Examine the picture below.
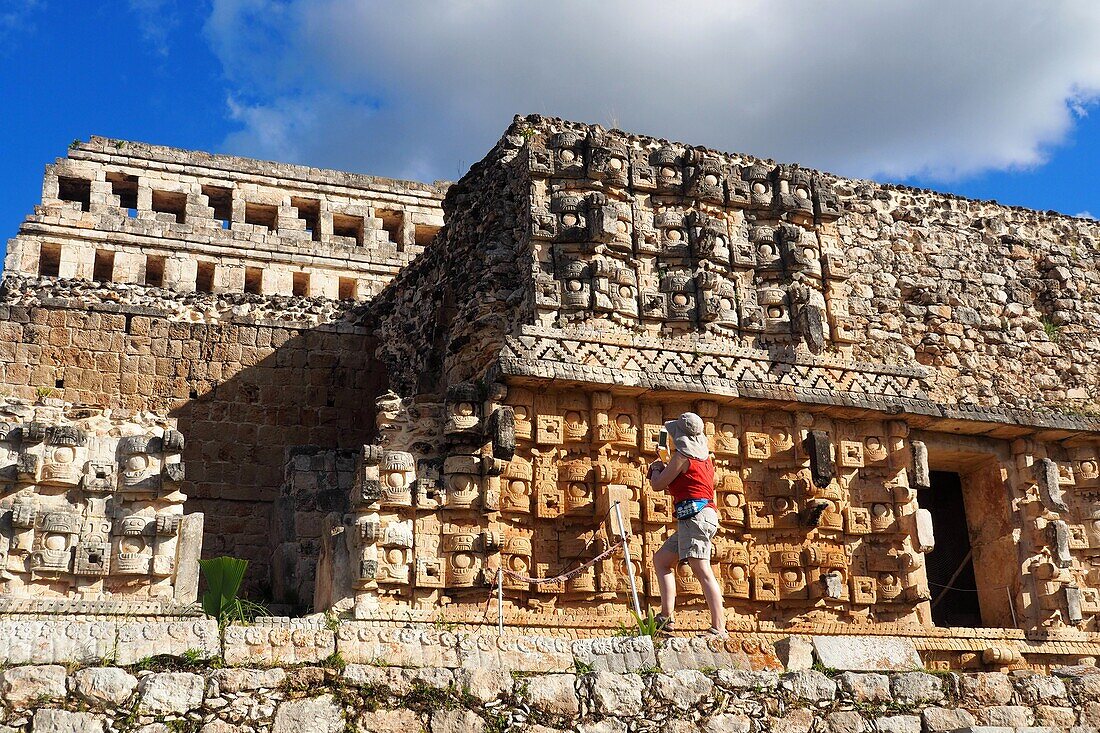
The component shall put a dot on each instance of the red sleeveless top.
(694, 482)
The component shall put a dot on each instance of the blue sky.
(985, 99)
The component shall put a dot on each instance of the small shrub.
(223, 581)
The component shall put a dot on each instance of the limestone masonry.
(385, 393)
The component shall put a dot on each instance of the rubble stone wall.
(245, 377)
(444, 318)
(639, 257)
(494, 687)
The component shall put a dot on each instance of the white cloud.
(156, 20)
(15, 17)
(940, 89)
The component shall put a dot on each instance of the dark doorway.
(950, 566)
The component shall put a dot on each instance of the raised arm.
(661, 476)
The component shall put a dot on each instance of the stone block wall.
(245, 381)
(317, 481)
(615, 687)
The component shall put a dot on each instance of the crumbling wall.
(1002, 303)
(244, 378)
(443, 318)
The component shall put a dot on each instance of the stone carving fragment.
(96, 512)
(1046, 479)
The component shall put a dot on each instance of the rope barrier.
(569, 574)
(623, 544)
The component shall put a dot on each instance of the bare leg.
(665, 563)
(711, 591)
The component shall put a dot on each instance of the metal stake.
(626, 555)
(500, 601)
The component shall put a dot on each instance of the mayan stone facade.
(93, 512)
(245, 329)
(899, 386)
(852, 349)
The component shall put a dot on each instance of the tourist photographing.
(688, 476)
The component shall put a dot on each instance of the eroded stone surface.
(104, 686)
(320, 714)
(170, 692)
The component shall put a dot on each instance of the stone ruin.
(392, 390)
(93, 516)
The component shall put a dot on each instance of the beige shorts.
(694, 536)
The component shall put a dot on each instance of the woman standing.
(689, 478)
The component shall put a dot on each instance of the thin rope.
(569, 575)
(969, 590)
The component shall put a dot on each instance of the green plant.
(223, 582)
(582, 667)
(44, 392)
(332, 620)
(441, 625)
(1052, 330)
(334, 661)
(76, 141)
(426, 698)
(647, 625)
(653, 669)
(194, 656)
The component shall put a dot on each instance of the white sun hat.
(687, 435)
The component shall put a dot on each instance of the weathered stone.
(846, 721)
(170, 692)
(898, 724)
(1010, 716)
(727, 723)
(985, 688)
(389, 721)
(914, 688)
(457, 721)
(796, 653)
(810, 686)
(1038, 688)
(737, 679)
(677, 725)
(278, 641)
(797, 720)
(484, 684)
(616, 654)
(946, 719)
(706, 653)
(105, 687)
(62, 721)
(683, 689)
(21, 686)
(138, 640)
(55, 641)
(866, 687)
(220, 726)
(866, 653)
(553, 694)
(245, 680)
(320, 714)
(603, 726)
(1056, 717)
(616, 694)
